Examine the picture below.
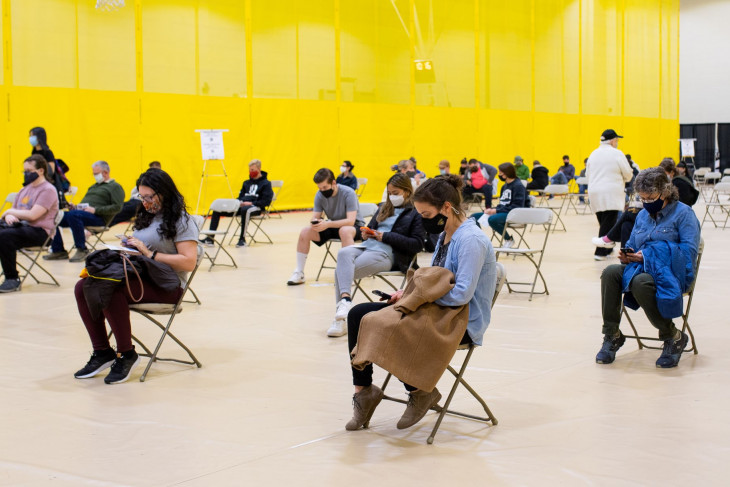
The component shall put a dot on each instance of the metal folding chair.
(685, 315)
(221, 205)
(276, 186)
(150, 310)
(528, 216)
(9, 200)
(33, 254)
(199, 222)
(71, 193)
(556, 191)
(361, 183)
(725, 179)
(579, 181)
(96, 234)
(385, 277)
(459, 378)
(726, 172)
(714, 203)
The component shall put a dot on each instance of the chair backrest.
(524, 182)
(57, 220)
(582, 181)
(501, 279)
(10, 198)
(366, 211)
(725, 179)
(361, 183)
(722, 188)
(713, 175)
(276, 186)
(530, 216)
(726, 171)
(700, 250)
(199, 221)
(556, 189)
(225, 205)
(701, 171)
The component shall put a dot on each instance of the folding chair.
(71, 193)
(199, 222)
(580, 181)
(9, 200)
(33, 254)
(97, 233)
(685, 315)
(276, 186)
(221, 205)
(555, 191)
(459, 378)
(361, 183)
(528, 216)
(385, 277)
(726, 172)
(150, 310)
(257, 221)
(720, 189)
(725, 179)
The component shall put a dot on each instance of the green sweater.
(106, 198)
(523, 172)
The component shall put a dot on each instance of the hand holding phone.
(627, 250)
(367, 230)
(383, 296)
(315, 221)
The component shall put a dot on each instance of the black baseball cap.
(610, 134)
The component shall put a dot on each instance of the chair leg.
(196, 299)
(165, 332)
(328, 253)
(34, 263)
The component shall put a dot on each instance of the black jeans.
(245, 211)
(606, 221)
(621, 231)
(14, 238)
(364, 377)
(129, 211)
(644, 290)
(485, 190)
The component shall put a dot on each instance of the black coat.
(257, 191)
(540, 178)
(406, 237)
(688, 194)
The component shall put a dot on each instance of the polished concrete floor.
(270, 403)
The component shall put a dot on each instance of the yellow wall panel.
(357, 53)
(274, 49)
(669, 65)
(601, 59)
(393, 57)
(222, 48)
(316, 50)
(642, 54)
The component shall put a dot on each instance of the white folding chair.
(276, 186)
(725, 179)
(715, 203)
(71, 193)
(528, 216)
(199, 222)
(33, 255)
(459, 378)
(580, 181)
(221, 205)
(9, 200)
(555, 197)
(361, 183)
(97, 232)
(150, 310)
(726, 172)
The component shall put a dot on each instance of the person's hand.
(635, 257)
(11, 219)
(490, 211)
(378, 236)
(246, 203)
(467, 182)
(71, 206)
(90, 209)
(366, 235)
(395, 296)
(139, 245)
(417, 177)
(321, 226)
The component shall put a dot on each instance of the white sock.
(301, 261)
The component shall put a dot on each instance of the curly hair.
(171, 201)
(655, 180)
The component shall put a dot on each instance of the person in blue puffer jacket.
(657, 267)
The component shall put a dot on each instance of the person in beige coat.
(607, 171)
(463, 251)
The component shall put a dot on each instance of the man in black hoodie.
(540, 177)
(256, 194)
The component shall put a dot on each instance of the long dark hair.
(40, 133)
(402, 182)
(440, 189)
(171, 201)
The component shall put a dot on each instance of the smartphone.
(81, 206)
(627, 250)
(382, 295)
(315, 222)
(367, 230)
(123, 238)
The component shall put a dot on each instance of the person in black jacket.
(256, 194)
(394, 235)
(512, 196)
(540, 177)
(346, 177)
(688, 194)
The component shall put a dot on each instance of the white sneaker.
(296, 279)
(337, 328)
(508, 243)
(599, 257)
(343, 307)
(599, 242)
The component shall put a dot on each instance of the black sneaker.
(672, 352)
(122, 367)
(10, 285)
(610, 346)
(241, 242)
(100, 360)
(208, 242)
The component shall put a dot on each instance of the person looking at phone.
(463, 249)
(163, 232)
(645, 265)
(102, 201)
(340, 204)
(513, 195)
(394, 235)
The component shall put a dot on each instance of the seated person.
(444, 167)
(30, 220)
(130, 207)
(255, 195)
(340, 205)
(396, 236)
(102, 201)
(582, 188)
(478, 181)
(463, 167)
(688, 194)
(464, 250)
(567, 169)
(415, 168)
(663, 219)
(540, 177)
(523, 172)
(163, 232)
(512, 196)
(346, 178)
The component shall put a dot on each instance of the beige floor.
(269, 405)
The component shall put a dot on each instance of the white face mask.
(396, 200)
(99, 178)
(343, 169)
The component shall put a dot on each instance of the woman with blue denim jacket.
(463, 249)
(663, 219)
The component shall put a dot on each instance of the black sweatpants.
(14, 238)
(606, 221)
(621, 231)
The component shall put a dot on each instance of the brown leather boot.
(364, 403)
(419, 402)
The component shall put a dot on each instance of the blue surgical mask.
(654, 207)
(442, 171)
(33, 140)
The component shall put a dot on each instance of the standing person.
(346, 178)
(163, 232)
(256, 194)
(512, 196)
(39, 140)
(540, 177)
(464, 250)
(30, 220)
(340, 205)
(607, 171)
(523, 172)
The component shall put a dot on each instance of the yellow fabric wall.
(306, 84)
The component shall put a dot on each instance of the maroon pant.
(117, 313)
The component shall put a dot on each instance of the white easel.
(211, 145)
(687, 148)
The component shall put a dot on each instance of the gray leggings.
(356, 263)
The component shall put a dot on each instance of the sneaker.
(79, 255)
(10, 285)
(122, 367)
(599, 242)
(296, 279)
(610, 346)
(207, 241)
(343, 307)
(62, 255)
(337, 328)
(100, 360)
(419, 402)
(241, 243)
(508, 243)
(599, 257)
(364, 404)
(672, 352)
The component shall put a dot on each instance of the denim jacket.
(471, 258)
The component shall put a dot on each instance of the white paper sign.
(688, 147)
(211, 143)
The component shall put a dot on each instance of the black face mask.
(654, 207)
(328, 192)
(502, 178)
(566, 162)
(29, 177)
(473, 169)
(434, 225)
(411, 174)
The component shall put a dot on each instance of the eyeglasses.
(649, 200)
(148, 199)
